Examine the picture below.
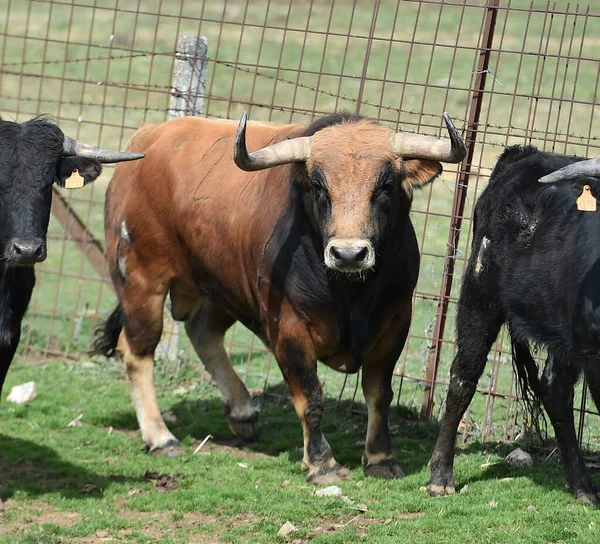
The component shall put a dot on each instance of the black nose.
(348, 256)
(27, 252)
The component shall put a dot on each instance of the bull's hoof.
(170, 449)
(588, 495)
(1, 506)
(389, 469)
(327, 475)
(245, 429)
(440, 490)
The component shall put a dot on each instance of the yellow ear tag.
(586, 201)
(74, 181)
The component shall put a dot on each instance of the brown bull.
(313, 251)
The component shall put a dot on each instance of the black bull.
(534, 265)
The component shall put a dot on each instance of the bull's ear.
(420, 172)
(88, 169)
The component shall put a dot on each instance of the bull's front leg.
(15, 294)
(296, 357)
(378, 459)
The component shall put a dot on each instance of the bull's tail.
(530, 386)
(107, 334)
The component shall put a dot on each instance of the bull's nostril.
(17, 249)
(335, 253)
(39, 250)
(361, 255)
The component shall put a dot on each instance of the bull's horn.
(591, 167)
(294, 150)
(419, 146)
(72, 147)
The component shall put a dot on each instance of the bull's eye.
(384, 189)
(318, 187)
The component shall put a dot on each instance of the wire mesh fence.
(508, 72)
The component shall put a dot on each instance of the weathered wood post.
(187, 98)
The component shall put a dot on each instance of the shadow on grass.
(344, 426)
(38, 470)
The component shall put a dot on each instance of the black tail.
(107, 334)
(529, 385)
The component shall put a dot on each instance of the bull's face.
(360, 175)
(33, 156)
(357, 185)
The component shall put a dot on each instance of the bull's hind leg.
(557, 388)
(478, 324)
(142, 320)
(206, 330)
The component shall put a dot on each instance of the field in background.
(102, 68)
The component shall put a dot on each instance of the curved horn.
(419, 146)
(72, 147)
(294, 150)
(591, 168)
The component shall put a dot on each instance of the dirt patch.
(330, 524)
(157, 525)
(35, 512)
(162, 482)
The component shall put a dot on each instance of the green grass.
(69, 484)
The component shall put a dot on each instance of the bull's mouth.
(11, 262)
(357, 277)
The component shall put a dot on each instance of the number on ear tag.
(586, 201)
(74, 181)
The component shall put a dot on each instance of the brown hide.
(189, 199)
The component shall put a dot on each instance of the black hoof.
(245, 429)
(170, 449)
(389, 469)
(323, 475)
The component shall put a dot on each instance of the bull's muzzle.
(25, 252)
(349, 256)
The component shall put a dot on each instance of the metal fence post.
(458, 206)
(187, 99)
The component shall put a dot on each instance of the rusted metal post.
(458, 206)
(187, 99)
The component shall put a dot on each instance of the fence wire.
(101, 68)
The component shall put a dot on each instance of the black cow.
(534, 265)
(33, 156)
